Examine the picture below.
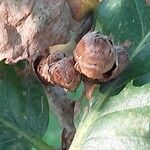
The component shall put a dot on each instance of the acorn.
(95, 56)
(99, 60)
(56, 69)
(62, 73)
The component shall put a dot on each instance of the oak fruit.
(97, 58)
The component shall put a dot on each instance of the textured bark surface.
(28, 27)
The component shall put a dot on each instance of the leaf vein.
(118, 111)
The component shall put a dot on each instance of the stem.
(39, 144)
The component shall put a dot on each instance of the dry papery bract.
(29, 27)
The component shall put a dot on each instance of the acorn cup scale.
(122, 61)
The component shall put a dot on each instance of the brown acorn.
(94, 56)
(55, 56)
(63, 73)
(56, 69)
(99, 60)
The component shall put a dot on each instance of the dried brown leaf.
(28, 27)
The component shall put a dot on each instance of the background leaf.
(53, 133)
(142, 80)
(119, 116)
(138, 68)
(124, 20)
(23, 110)
(121, 123)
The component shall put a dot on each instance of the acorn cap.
(122, 61)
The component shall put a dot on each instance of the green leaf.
(124, 20)
(145, 79)
(53, 133)
(23, 111)
(77, 94)
(121, 123)
(139, 66)
(127, 20)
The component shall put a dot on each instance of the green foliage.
(77, 94)
(138, 68)
(124, 20)
(23, 110)
(53, 133)
(121, 121)
(119, 116)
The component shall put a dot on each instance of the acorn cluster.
(95, 59)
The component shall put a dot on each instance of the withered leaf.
(28, 27)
